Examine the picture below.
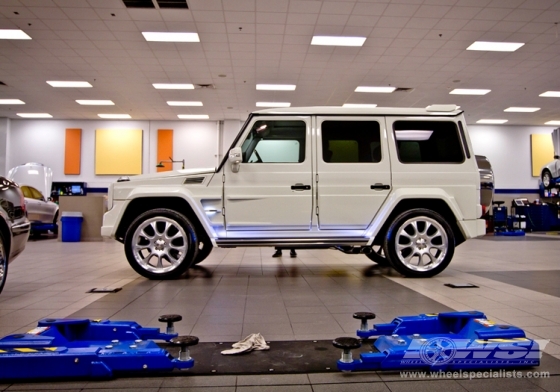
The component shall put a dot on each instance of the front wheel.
(160, 244)
(546, 179)
(419, 243)
(3, 263)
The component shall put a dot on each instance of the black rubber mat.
(293, 357)
(542, 281)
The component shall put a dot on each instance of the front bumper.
(473, 228)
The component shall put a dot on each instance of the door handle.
(379, 186)
(301, 187)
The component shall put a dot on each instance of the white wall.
(43, 141)
(509, 150)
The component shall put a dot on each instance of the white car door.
(354, 171)
(272, 188)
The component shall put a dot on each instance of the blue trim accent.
(97, 190)
(511, 191)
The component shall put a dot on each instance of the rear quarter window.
(428, 142)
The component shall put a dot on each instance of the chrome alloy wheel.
(421, 243)
(159, 244)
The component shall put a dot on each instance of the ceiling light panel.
(372, 89)
(521, 109)
(553, 122)
(76, 84)
(184, 103)
(193, 116)
(114, 116)
(359, 105)
(173, 86)
(11, 102)
(491, 121)
(337, 41)
(273, 104)
(276, 87)
(34, 115)
(495, 46)
(170, 37)
(469, 91)
(554, 94)
(98, 102)
(13, 34)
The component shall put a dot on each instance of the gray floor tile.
(199, 381)
(496, 385)
(273, 379)
(355, 387)
(425, 386)
(275, 388)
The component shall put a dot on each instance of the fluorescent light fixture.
(553, 122)
(469, 91)
(193, 116)
(171, 37)
(359, 105)
(11, 102)
(337, 41)
(99, 102)
(369, 89)
(114, 116)
(550, 94)
(173, 86)
(13, 34)
(278, 87)
(59, 83)
(495, 46)
(489, 121)
(184, 103)
(522, 109)
(34, 115)
(416, 135)
(273, 104)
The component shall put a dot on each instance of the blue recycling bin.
(71, 226)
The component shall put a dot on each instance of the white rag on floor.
(255, 341)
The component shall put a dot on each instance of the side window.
(26, 192)
(275, 141)
(428, 142)
(351, 141)
(35, 194)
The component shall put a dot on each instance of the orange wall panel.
(73, 151)
(164, 148)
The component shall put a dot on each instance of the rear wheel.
(160, 244)
(204, 249)
(3, 262)
(419, 243)
(55, 224)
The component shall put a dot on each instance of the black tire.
(546, 179)
(203, 250)
(419, 243)
(378, 256)
(55, 224)
(3, 262)
(163, 235)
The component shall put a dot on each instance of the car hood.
(33, 174)
(168, 174)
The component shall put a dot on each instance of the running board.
(300, 243)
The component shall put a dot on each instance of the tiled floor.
(240, 291)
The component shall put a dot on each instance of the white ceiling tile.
(239, 17)
(431, 11)
(206, 5)
(112, 4)
(272, 5)
(463, 12)
(305, 6)
(246, 28)
(479, 25)
(363, 8)
(81, 13)
(357, 20)
(176, 15)
(270, 29)
(302, 19)
(400, 10)
(422, 23)
(538, 4)
(62, 25)
(271, 17)
(140, 14)
(336, 7)
(332, 20)
(269, 38)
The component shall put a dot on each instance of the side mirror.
(556, 156)
(235, 158)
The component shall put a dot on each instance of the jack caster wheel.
(347, 345)
(170, 319)
(184, 342)
(364, 317)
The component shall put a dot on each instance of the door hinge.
(223, 211)
(223, 177)
(317, 210)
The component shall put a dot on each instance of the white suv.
(399, 185)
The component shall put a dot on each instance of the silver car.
(35, 181)
(14, 226)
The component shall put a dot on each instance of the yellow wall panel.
(542, 151)
(118, 151)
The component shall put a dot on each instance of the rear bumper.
(473, 228)
(20, 235)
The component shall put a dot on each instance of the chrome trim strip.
(295, 242)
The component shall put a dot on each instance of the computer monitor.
(76, 189)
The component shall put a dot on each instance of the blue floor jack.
(59, 348)
(439, 342)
